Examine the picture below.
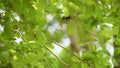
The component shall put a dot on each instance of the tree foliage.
(29, 28)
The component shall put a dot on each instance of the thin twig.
(56, 56)
(67, 50)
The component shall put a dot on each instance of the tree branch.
(56, 56)
(67, 50)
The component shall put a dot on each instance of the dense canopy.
(85, 32)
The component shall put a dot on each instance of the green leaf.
(74, 5)
(84, 65)
(92, 48)
(66, 11)
(117, 51)
(42, 39)
(70, 28)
